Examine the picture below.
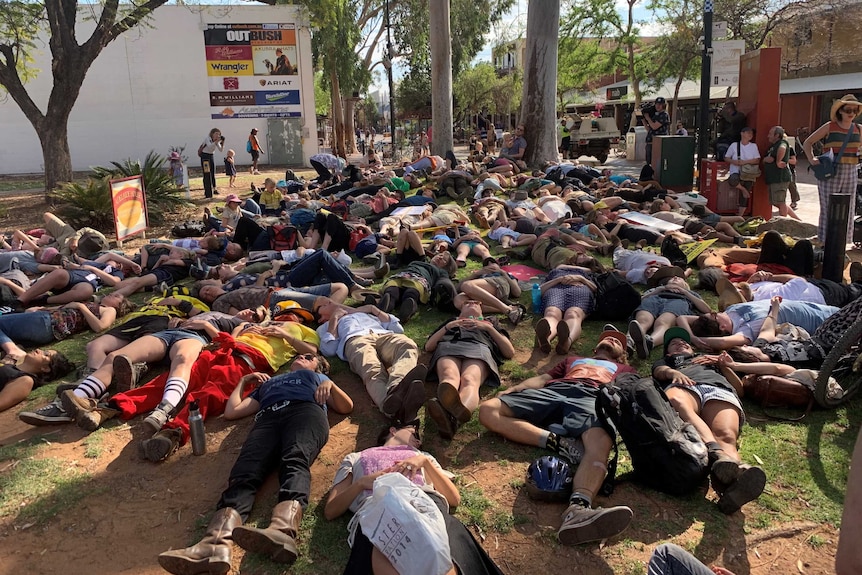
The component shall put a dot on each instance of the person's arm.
(505, 344)
(344, 492)
(16, 289)
(537, 382)
(299, 344)
(107, 315)
(26, 241)
(237, 407)
(335, 397)
(815, 136)
(104, 277)
(16, 391)
(201, 325)
(667, 373)
(435, 338)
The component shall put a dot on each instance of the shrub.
(86, 204)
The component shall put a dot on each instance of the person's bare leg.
(461, 252)
(497, 417)
(99, 348)
(56, 279)
(663, 323)
(686, 405)
(79, 292)
(183, 355)
(553, 315)
(574, 317)
(481, 291)
(593, 468)
(723, 420)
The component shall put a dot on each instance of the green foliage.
(20, 23)
(322, 101)
(413, 95)
(89, 204)
(474, 89)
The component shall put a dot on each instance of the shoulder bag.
(828, 164)
(747, 172)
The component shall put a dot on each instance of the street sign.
(719, 30)
(725, 62)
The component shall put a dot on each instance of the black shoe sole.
(604, 526)
(747, 487)
(447, 425)
(639, 338)
(394, 401)
(450, 399)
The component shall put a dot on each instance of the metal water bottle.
(196, 429)
(537, 298)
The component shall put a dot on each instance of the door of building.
(285, 141)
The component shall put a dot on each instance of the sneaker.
(747, 487)
(161, 445)
(583, 525)
(159, 416)
(725, 469)
(640, 340)
(127, 375)
(50, 414)
(571, 449)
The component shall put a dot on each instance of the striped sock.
(91, 387)
(175, 389)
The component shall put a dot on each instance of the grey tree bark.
(441, 77)
(538, 112)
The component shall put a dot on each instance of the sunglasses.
(853, 111)
(306, 356)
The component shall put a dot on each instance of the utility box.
(636, 144)
(673, 162)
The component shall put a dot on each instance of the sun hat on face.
(232, 198)
(290, 306)
(849, 99)
(48, 255)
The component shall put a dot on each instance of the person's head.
(730, 106)
(679, 124)
(233, 252)
(210, 243)
(659, 205)
(254, 131)
(747, 134)
(46, 365)
(230, 154)
(519, 131)
(479, 147)
(207, 290)
(775, 133)
(660, 103)
(471, 308)
(612, 345)
(279, 51)
(44, 240)
(747, 354)
(269, 184)
(256, 315)
(845, 109)
(596, 217)
(707, 277)
(215, 134)
(677, 341)
(119, 302)
(712, 325)
(50, 256)
(445, 261)
(326, 307)
(404, 435)
(310, 361)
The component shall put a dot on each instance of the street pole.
(705, 83)
(391, 84)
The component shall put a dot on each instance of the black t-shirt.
(701, 374)
(10, 373)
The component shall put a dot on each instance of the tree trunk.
(349, 125)
(441, 77)
(337, 117)
(538, 113)
(53, 136)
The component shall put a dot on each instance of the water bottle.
(537, 298)
(196, 429)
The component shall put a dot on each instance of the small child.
(176, 168)
(230, 167)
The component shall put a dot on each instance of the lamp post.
(705, 83)
(387, 62)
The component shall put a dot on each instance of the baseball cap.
(660, 100)
(676, 332)
(617, 335)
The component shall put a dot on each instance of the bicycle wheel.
(843, 363)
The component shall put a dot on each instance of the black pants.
(799, 258)
(397, 296)
(334, 189)
(288, 440)
(323, 173)
(334, 226)
(250, 235)
(835, 293)
(212, 173)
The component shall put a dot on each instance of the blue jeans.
(250, 208)
(670, 559)
(310, 269)
(288, 440)
(33, 328)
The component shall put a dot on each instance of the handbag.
(747, 172)
(827, 167)
(770, 391)
(405, 524)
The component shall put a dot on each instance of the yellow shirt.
(277, 350)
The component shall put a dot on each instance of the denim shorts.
(657, 305)
(304, 296)
(171, 336)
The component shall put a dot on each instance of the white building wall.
(148, 90)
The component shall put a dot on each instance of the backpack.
(667, 454)
(189, 229)
(91, 243)
(671, 250)
(616, 297)
(283, 237)
(248, 147)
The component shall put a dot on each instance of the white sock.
(175, 389)
(91, 387)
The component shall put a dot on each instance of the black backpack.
(667, 453)
(671, 250)
(189, 229)
(616, 297)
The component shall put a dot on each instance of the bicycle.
(844, 363)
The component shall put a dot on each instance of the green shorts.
(778, 193)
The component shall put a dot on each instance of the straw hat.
(665, 272)
(728, 294)
(848, 99)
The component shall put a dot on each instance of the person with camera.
(213, 142)
(657, 122)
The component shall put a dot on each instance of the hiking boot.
(408, 309)
(403, 392)
(571, 449)
(159, 416)
(450, 399)
(747, 487)
(582, 524)
(447, 425)
(89, 414)
(641, 341)
(723, 468)
(278, 541)
(211, 554)
(127, 375)
(161, 445)
(49, 414)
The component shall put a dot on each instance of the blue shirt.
(352, 325)
(748, 317)
(298, 385)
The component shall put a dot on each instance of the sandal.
(461, 263)
(543, 336)
(516, 314)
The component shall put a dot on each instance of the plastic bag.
(405, 524)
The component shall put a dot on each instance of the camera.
(648, 108)
(222, 138)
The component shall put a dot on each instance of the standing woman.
(213, 142)
(255, 150)
(843, 113)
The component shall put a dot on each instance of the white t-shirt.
(747, 151)
(797, 289)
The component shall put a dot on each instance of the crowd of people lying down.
(244, 320)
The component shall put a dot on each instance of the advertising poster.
(130, 206)
(252, 71)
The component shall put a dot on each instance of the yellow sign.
(230, 68)
(130, 206)
(694, 249)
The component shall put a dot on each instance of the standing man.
(255, 150)
(739, 154)
(730, 124)
(566, 139)
(776, 170)
(657, 124)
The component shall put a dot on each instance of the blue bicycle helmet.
(549, 478)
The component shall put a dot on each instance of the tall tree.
(474, 89)
(441, 77)
(538, 111)
(21, 23)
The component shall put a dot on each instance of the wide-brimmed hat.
(617, 335)
(848, 99)
(290, 306)
(674, 333)
(520, 195)
(665, 272)
(232, 198)
(728, 294)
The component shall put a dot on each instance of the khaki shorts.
(778, 193)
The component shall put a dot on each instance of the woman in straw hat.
(843, 114)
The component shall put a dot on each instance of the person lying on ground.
(250, 297)
(21, 372)
(493, 288)
(68, 285)
(568, 298)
